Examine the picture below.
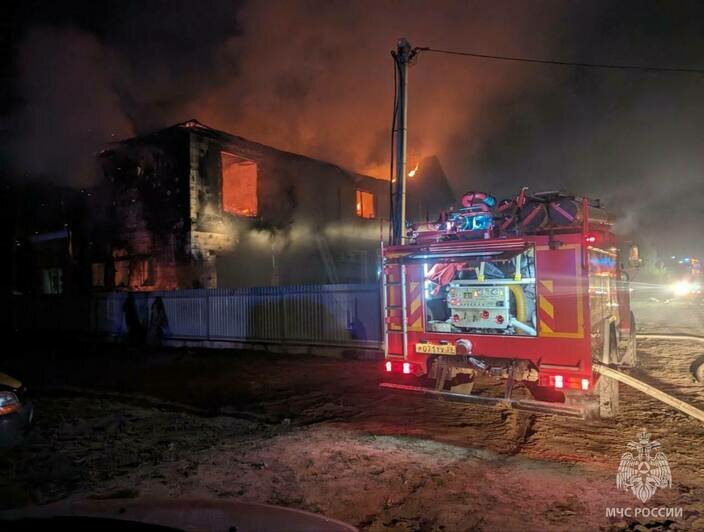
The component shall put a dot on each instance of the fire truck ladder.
(388, 309)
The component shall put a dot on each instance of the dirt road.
(317, 434)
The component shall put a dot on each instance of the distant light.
(683, 288)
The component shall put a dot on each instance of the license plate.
(436, 349)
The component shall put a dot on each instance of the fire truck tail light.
(397, 366)
(590, 239)
(562, 382)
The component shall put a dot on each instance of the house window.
(239, 185)
(97, 271)
(365, 204)
(52, 281)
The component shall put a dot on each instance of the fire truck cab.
(511, 296)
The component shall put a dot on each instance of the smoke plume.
(315, 77)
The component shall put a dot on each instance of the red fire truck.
(527, 293)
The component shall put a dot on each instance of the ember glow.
(412, 173)
(239, 185)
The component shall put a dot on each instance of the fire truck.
(524, 296)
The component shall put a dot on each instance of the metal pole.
(402, 57)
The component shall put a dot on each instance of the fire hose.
(519, 321)
(639, 385)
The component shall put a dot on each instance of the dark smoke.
(70, 107)
(315, 77)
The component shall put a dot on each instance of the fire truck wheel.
(606, 388)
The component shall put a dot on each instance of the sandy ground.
(317, 434)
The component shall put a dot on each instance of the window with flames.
(239, 185)
(365, 204)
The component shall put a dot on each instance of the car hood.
(9, 382)
(179, 514)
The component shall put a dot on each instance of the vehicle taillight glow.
(567, 382)
(559, 381)
(388, 365)
(590, 239)
(406, 368)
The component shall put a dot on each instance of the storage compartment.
(482, 296)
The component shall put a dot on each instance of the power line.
(564, 63)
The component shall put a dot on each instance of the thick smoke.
(69, 107)
(315, 77)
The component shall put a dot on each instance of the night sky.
(316, 78)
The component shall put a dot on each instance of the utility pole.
(403, 55)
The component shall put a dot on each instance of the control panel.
(478, 305)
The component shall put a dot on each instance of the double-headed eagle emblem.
(643, 473)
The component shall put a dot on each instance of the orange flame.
(413, 172)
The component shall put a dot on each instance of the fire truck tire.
(607, 389)
(627, 356)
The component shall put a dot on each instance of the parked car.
(15, 411)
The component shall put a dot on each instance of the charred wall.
(148, 226)
(306, 229)
(303, 221)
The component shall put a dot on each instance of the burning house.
(199, 208)
(193, 207)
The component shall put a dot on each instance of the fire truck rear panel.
(557, 339)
